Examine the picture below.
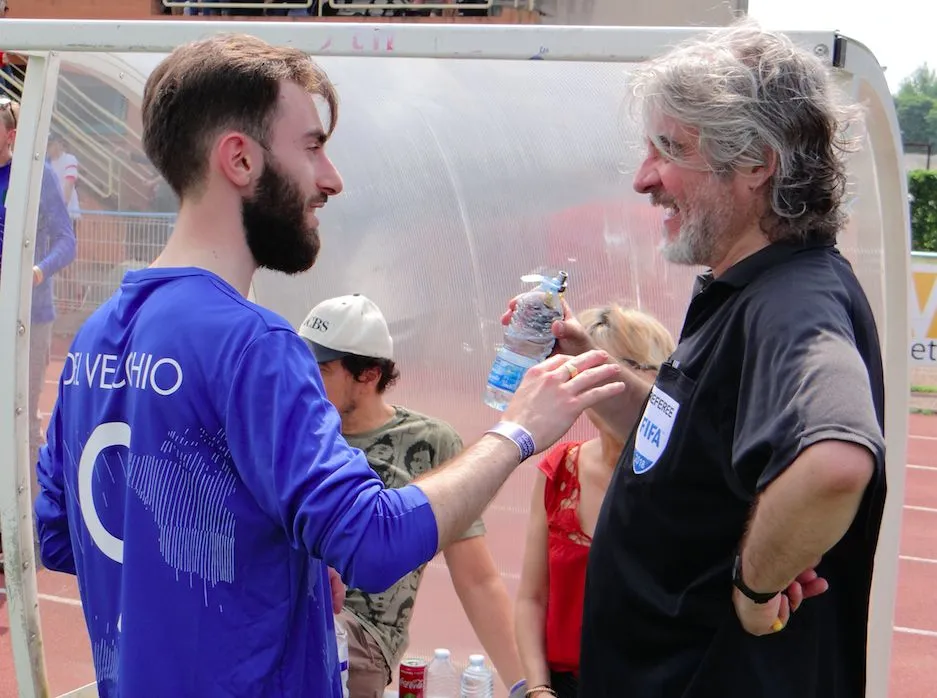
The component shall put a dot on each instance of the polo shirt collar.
(751, 267)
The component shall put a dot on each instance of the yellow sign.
(924, 308)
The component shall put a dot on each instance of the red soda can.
(412, 678)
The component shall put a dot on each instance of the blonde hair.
(630, 335)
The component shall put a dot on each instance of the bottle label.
(508, 370)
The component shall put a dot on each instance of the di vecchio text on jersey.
(139, 371)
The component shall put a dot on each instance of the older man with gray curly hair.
(733, 554)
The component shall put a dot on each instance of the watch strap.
(739, 583)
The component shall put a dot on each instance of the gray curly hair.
(749, 93)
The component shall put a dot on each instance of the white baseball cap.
(347, 325)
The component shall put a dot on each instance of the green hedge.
(922, 185)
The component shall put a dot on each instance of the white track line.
(76, 602)
(915, 631)
(922, 437)
(929, 510)
(932, 468)
(51, 597)
(911, 558)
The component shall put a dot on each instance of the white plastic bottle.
(478, 681)
(341, 638)
(442, 678)
(528, 339)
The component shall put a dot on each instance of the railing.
(114, 160)
(108, 150)
(109, 244)
(11, 82)
(412, 6)
(344, 7)
(214, 6)
(96, 164)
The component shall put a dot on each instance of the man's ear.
(370, 375)
(238, 159)
(755, 177)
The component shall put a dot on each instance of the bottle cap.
(477, 659)
(557, 283)
(441, 653)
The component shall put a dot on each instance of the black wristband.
(759, 598)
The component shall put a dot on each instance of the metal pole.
(16, 511)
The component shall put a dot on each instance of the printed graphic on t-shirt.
(400, 451)
(657, 422)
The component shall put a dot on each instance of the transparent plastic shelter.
(467, 163)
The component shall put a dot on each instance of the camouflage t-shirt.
(407, 446)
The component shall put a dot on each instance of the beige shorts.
(368, 673)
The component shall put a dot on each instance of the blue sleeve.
(55, 543)
(54, 223)
(285, 439)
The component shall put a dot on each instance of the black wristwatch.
(755, 596)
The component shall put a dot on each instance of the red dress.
(567, 553)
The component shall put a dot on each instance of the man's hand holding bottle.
(620, 408)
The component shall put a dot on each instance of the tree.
(922, 186)
(916, 104)
(922, 81)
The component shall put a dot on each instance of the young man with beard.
(195, 477)
(350, 340)
(734, 549)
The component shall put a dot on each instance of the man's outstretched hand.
(620, 413)
(556, 391)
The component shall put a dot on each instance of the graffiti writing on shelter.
(376, 41)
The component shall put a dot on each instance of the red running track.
(438, 619)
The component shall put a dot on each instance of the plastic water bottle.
(528, 340)
(442, 679)
(478, 681)
(341, 638)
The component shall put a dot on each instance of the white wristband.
(518, 435)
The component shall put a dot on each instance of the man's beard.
(274, 219)
(694, 245)
(705, 220)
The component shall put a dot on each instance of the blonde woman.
(570, 486)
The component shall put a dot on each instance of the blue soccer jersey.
(196, 481)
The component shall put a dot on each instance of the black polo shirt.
(777, 354)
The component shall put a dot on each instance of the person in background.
(54, 250)
(568, 493)
(65, 166)
(352, 345)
